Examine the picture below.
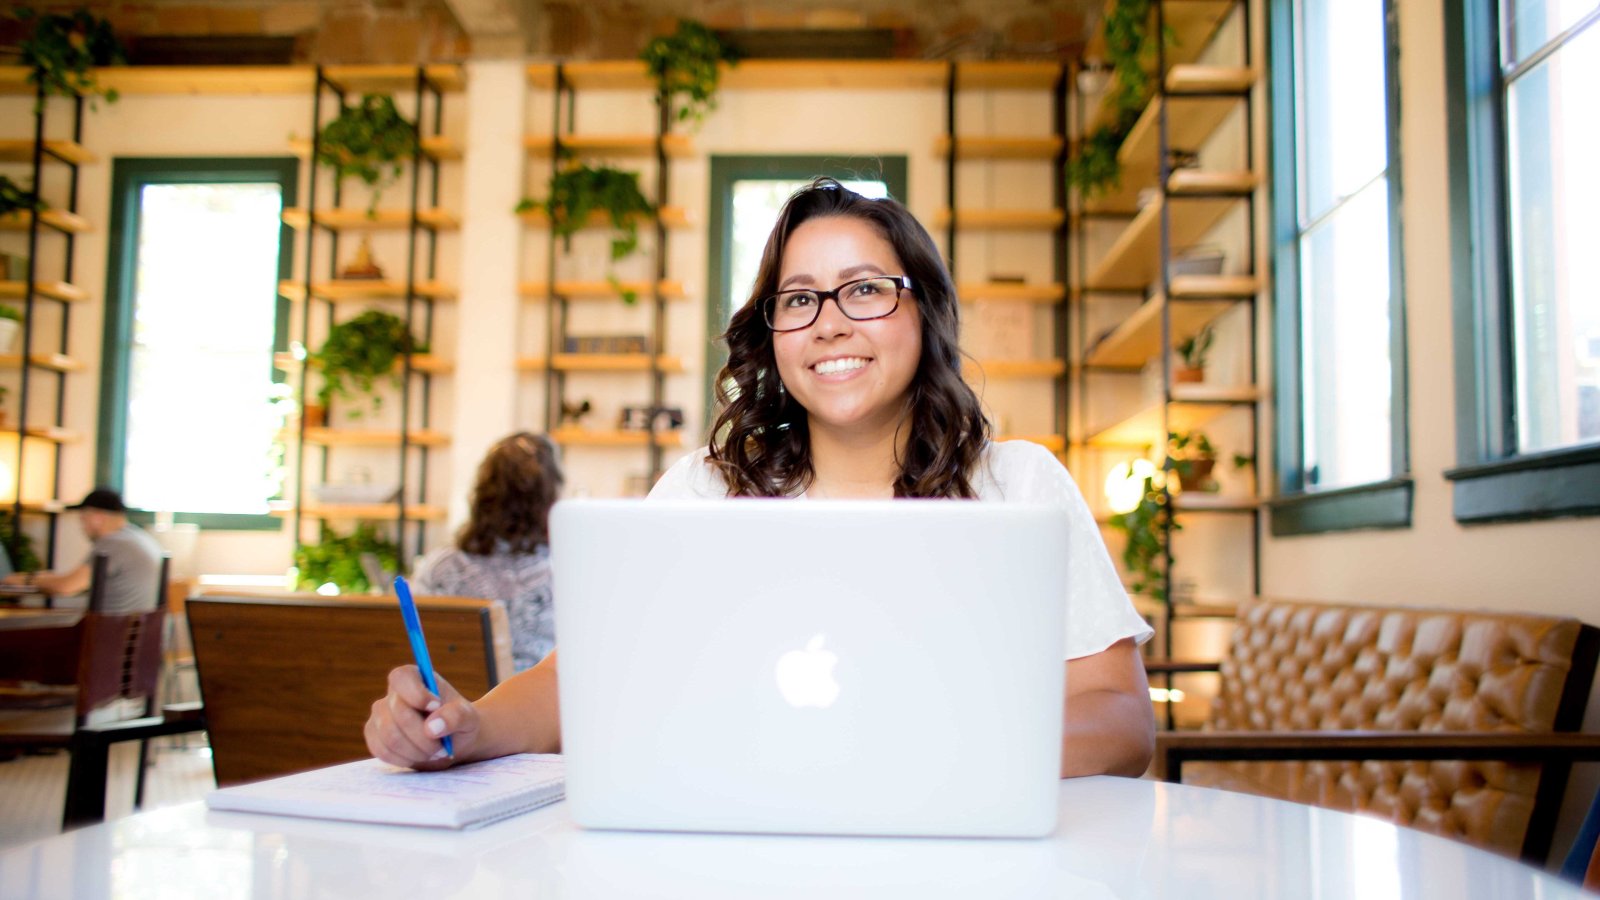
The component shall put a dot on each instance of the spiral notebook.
(371, 791)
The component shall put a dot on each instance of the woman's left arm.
(1110, 727)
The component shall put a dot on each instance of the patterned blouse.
(519, 580)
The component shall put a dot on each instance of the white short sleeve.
(691, 478)
(1099, 612)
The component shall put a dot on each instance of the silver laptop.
(868, 668)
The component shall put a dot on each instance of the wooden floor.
(33, 788)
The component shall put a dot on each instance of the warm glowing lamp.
(1125, 484)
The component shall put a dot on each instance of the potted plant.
(357, 353)
(368, 140)
(336, 559)
(1148, 527)
(686, 64)
(10, 325)
(578, 190)
(1096, 169)
(1192, 352)
(1191, 456)
(63, 49)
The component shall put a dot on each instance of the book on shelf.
(368, 790)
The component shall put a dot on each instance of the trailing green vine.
(336, 559)
(579, 190)
(63, 50)
(685, 65)
(14, 199)
(1095, 169)
(1148, 527)
(369, 140)
(357, 353)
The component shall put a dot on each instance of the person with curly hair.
(503, 551)
(844, 380)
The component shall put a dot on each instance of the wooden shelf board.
(1008, 75)
(55, 362)
(383, 79)
(583, 437)
(1192, 23)
(58, 219)
(1002, 219)
(1192, 407)
(829, 74)
(601, 362)
(301, 80)
(984, 147)
(1185, 78)
(1199, 287)
(22, 151)
(1014, 368)
(52, 433)
(361, 290)
(426, 363)
(1199, 501)
(433, 146)
(1191, 121)
(1137, 339)
(358, 220)
(977, 291)
(1195, 182)
(415, 512)
(671, 216)
(541, 75)
(675, 146)
(55, 290)
(41, 506)
(369, 437)
(599, 290)
(1133, 260)
(607, 74)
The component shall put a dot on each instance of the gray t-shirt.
(133, 563)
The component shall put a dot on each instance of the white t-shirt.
(1098, 610)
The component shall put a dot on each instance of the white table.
(1118, 838)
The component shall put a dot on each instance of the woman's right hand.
(407, 723)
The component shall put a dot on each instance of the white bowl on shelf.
(355, 493)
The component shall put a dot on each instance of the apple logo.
(805, 677)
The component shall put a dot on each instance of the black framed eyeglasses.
(860, 300)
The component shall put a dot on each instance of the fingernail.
(435, 727)
(432, 705)
(439, 754)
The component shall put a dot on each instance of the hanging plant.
(1096, 169)
(1148, 527)
(336, 559)
(14, 199)
(684, 65)
(63, 50)
(357, 353)
(369, 140)
(579, 190)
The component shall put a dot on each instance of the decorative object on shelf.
(369, 140)
(685, 64)
(1148, 526)
(573, 413)
(315, 414)
(363, 267)
(651, 418)
(1094, 77)
(605, 343)
(10, 325)
(359, 352)
(64, 49)
(576, 191)
(14, 199)
(24, 558)
(336, 560)
(1191, 457)
(1192, 352)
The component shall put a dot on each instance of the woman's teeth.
(834, 366)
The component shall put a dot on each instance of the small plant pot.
(1196, 474)
(1187, 375)
(9, 328)
(315, 415)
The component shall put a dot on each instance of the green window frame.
(1297, 508)
(1492, 480)
(725, 170)
(129, 176)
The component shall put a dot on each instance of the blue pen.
(419, 646)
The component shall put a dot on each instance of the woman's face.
(865, 367)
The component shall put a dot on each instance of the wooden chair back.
(288, 682)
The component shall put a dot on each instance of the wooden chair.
(288, 682)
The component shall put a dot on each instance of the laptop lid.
(811, 667)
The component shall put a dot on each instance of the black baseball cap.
(101, 498)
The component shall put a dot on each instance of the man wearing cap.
(133, 558)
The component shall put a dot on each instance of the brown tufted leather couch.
(1442, 720)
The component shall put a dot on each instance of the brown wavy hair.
(518, 480)
(761, 442)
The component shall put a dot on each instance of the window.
(1527, 280)
(191, 404)
(746, 194)
(1341, 433)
